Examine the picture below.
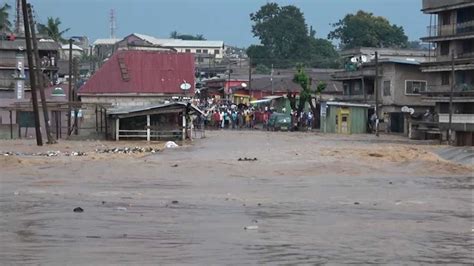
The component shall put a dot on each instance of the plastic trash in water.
(251, 227)
(171, 145)
(121, 209)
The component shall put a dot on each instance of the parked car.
(279, 121)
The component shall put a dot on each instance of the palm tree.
(52, 29)
(5, 24)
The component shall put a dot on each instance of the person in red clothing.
(216, 119)
(265, 119)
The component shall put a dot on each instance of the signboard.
(25, 119)
(323, 109)
(185, 86)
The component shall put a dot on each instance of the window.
(386, 88)
(198, 51)
(444, 78)
(217, 51)
(414, 86)
(444, 48)
(446, 17)
(468, 46)
(188, 50)
(205, 51)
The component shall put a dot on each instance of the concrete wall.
(89, 116)
(399, 74)
(441, 3)
(5, 132)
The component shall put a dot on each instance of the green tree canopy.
(177, 35)
(286, 40)
(5, 23)
(52, 29)
(363, 29)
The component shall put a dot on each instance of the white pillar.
(117, 127)
(148, 130)
(184, 126)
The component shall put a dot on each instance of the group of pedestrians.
(226, 118)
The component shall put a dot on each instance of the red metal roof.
(148, 72)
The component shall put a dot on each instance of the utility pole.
(74, 96)
(70, 88)
(250, 78)
(39, 78)
(271, 78)
(29, 52)
(453, 82)
(228, 84)
(376, 88)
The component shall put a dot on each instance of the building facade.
(401, 83)
(451, 34)
(134, 78)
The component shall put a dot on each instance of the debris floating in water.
(78, 209)
(251, 227)
(245, 159)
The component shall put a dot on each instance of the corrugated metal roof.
(149, 72)
(43, 44)
(124, 111)
(179, 42)
(349, 104)
(106, 41)
(74, 47)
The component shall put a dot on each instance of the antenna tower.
(113, 23)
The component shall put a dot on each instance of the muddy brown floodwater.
(307, 199)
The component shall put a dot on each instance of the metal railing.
(451, 29)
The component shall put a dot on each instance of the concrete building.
(15, 91)
(400, 84)
(76, 51)
(133, 78)
(451, 32)
(205, 52)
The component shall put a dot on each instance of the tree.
(286, 40)
(5, 23)
(262, 69)
(363, 29)
(306, 95)
(322, 54)
(281, 30)
(52, 29)
(177, 35)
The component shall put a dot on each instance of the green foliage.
(262, 69)
(286, 41)
(363, 29)
(5, 23)
(52, 29)
(321, 87)
(177, 35)
(304, 81)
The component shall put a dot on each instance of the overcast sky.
(226, 20)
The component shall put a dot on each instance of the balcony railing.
(465, 55)
(457, 118)
(447, 88)
(451, 29)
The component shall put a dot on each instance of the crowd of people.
(227, 115)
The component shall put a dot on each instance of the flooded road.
(307, 199)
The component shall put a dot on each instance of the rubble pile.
(42, 154)
(125, 150)
(128, 150)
